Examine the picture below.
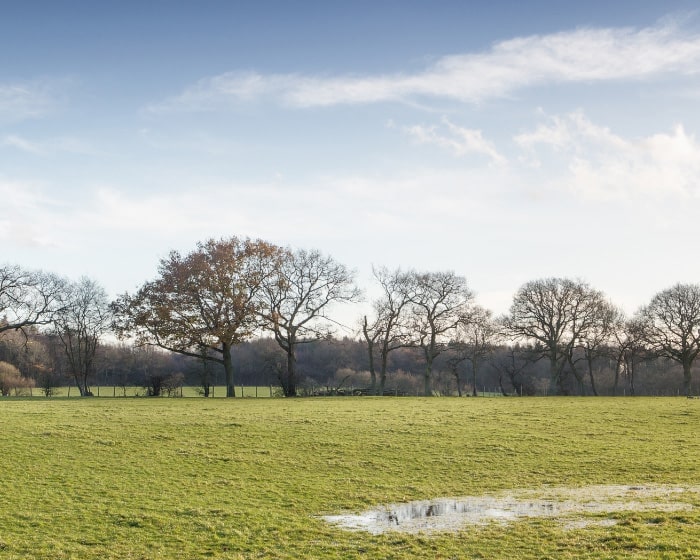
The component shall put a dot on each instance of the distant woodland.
(241, 312)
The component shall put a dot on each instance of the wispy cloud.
(458, 140)
(19, 101)
(21, 144)
(603, 165)
(61, 145)
(582, 55)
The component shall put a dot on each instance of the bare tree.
(28, 298)
(670, 326)
(439, 302)
(474, 341)
(387, 330)
(599, 339)
(205, 301)
(629, 353)
(84, 317)
(555, 314)
(513, 361)
(296, 300)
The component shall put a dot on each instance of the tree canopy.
(207, 300)
(670, 326)
(28, 297)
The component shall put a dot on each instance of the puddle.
(566, 504)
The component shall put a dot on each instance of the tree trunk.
(228, 369)
(554, 375)
(370, 353)
(290, 387)
(618, 365)
(687, 377)
(475, 393)
(427, 388)
(372, 372)
(590, 375)
(630, 374)
(459, 381)
(79, 384)
(500, 384)
(577, 376)
(382, 372)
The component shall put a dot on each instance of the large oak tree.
(556, 315)
(204, 302)
(670, 326)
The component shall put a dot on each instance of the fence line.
(115, 391)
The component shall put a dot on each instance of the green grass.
(248, 478)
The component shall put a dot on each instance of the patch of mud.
(569, 505)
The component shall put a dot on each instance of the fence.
(112, 391)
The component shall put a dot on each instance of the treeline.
(326, 367)
(246, 312)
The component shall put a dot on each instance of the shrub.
(11, 380)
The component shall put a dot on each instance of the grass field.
(251, 478)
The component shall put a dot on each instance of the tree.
(158, 384)
(630, 352)
(84, 318)
(555, 314)
(475, 340)
(670, 326)
(599, 340)
(205, 376)
(202, 303)
(514, 361)
(439, 302)
(387, 330)
(296, 300)
(28, 298)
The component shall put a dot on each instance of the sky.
(506, 141)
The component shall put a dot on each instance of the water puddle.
(569, 505)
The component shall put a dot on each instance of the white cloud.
(457, 140)
(51, 146)
(27, 215)
(554, 134)
(327, 208)
(582, 55)
(603, 165)
(425, 218)
(21, 144)
(19, 101)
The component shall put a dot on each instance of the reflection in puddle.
(495, 509)
(567, 504)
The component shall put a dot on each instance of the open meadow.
(253, 478)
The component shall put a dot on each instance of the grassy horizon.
(250, 478)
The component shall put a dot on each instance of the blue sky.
(506, 141)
